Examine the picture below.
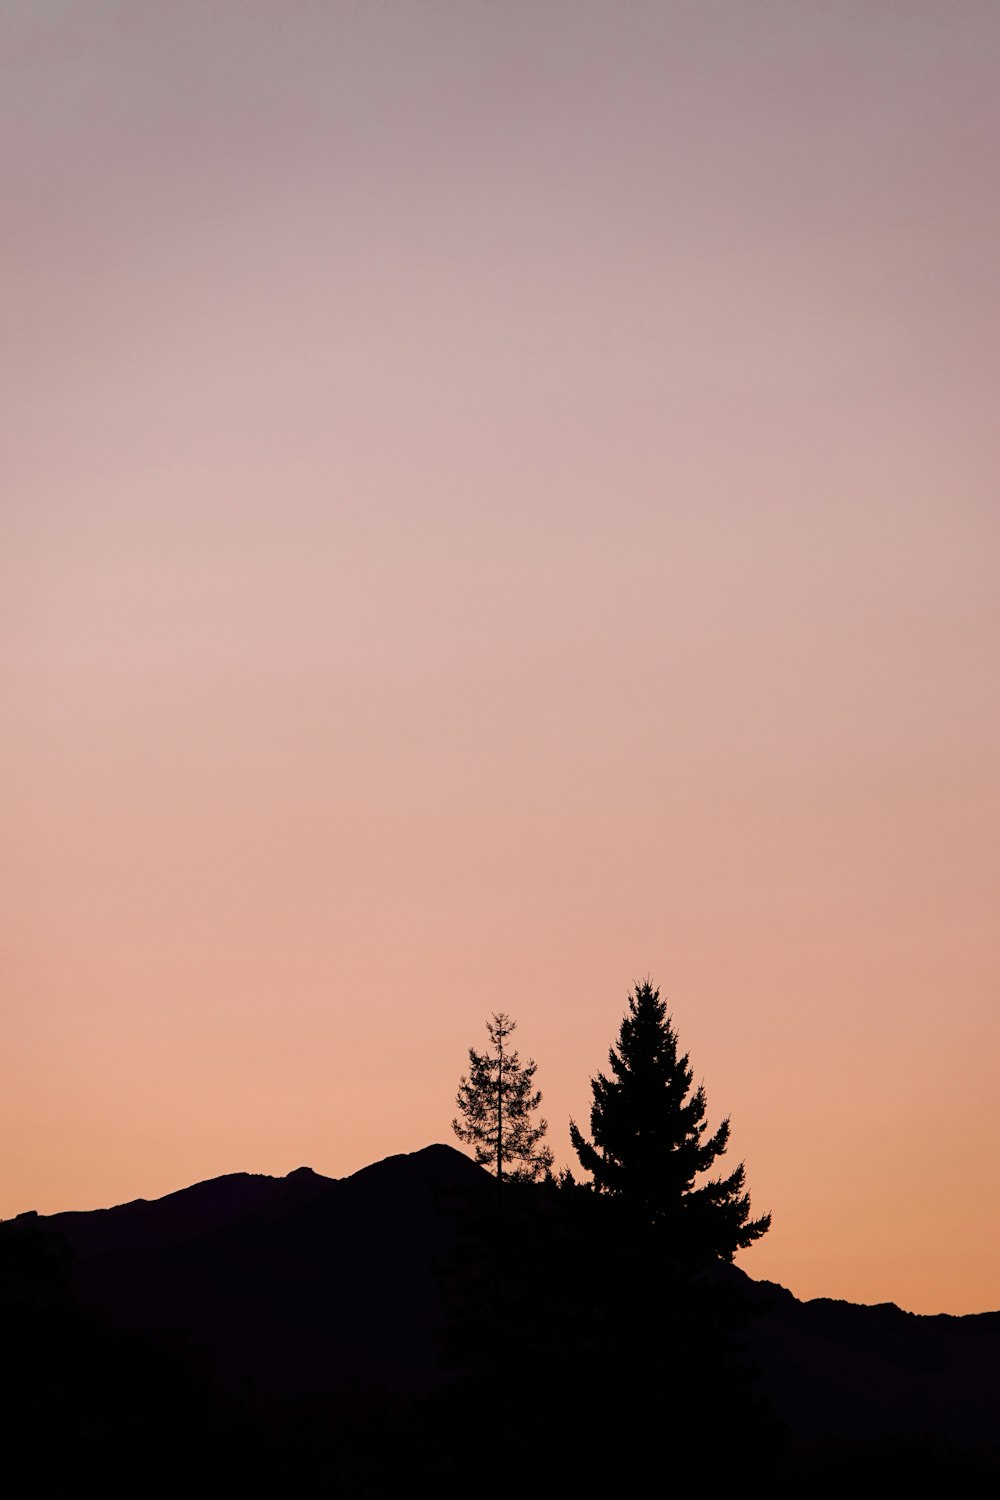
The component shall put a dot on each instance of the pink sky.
(496, 502)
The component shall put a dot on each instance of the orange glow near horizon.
(499, 502)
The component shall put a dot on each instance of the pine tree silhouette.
(496, 1101)
(649, 1142)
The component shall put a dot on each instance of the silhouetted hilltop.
(182, 1216)
(247, 1198)
(284, 1287)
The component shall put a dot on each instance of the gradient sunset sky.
(498, 501)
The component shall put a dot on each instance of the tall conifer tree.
(650, 1146)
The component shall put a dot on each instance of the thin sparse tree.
(496, 1104)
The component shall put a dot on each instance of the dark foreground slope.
(352, 1335)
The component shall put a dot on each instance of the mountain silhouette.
(834, 1370)
(313, 1294)
(284, 1286)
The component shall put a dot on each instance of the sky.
(498, 502)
